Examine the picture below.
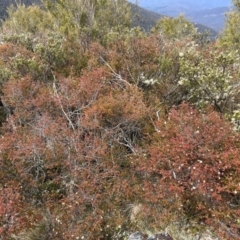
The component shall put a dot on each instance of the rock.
(136, 236)
(151, 238)
(160, 236)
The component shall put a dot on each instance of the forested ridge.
(107, 129)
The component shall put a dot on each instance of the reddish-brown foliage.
(194, 165)
(68, 143)
(11, 208)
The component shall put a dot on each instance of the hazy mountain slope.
(147, 19)
(208, 13)
(214, 18)
(144, 18)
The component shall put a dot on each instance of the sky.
(205, 3)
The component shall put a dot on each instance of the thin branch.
(116, 75)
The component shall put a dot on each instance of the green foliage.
(4, 4)
(231, 34)
(51, 50)
(87, 20)
(23, 39)
(4, 74)
(175, 28)
(30, 19)
(209, 76)
(26, 66)
(236, 4)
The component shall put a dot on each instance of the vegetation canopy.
(106, 129)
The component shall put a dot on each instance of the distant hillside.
(144, 18)
(147, 19)
(214, 18)
(205, 12)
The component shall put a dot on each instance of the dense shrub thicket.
(106, 129)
